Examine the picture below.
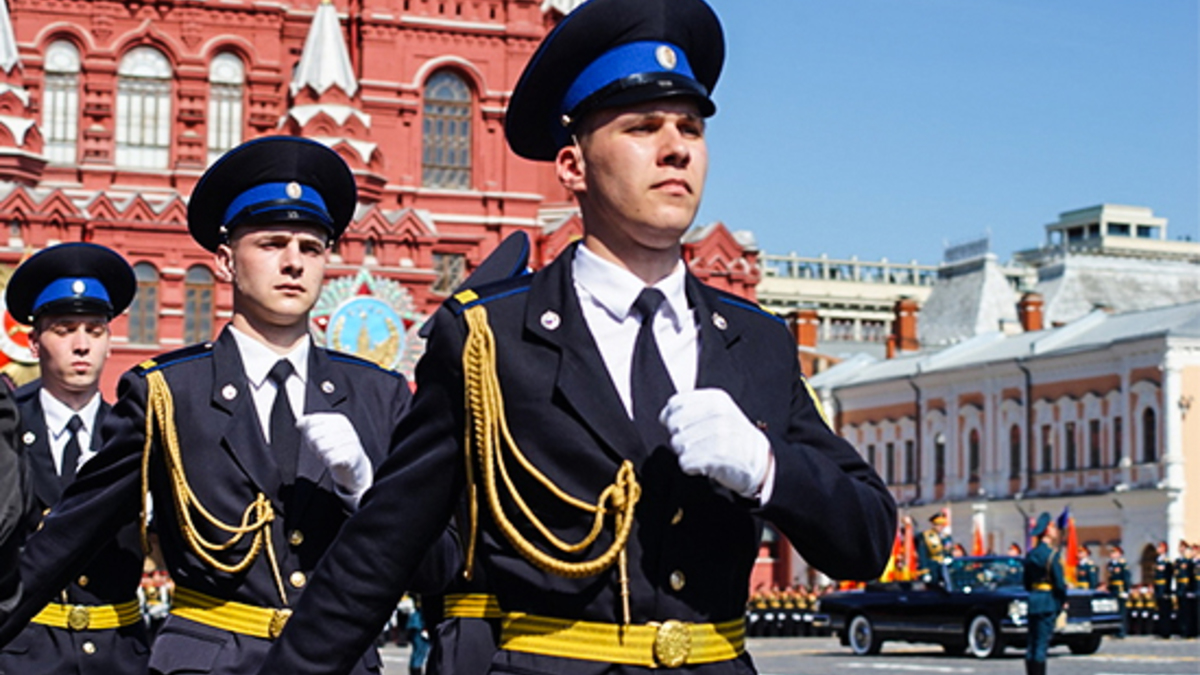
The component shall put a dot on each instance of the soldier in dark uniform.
(261, 443)
(1195, 590)
(1163, 592)
(68, 294)
(933, 548)
(1118, 583)
(1047, 592)
(16, 500)
(1087, 574)
(617, 523)
(1185, 593)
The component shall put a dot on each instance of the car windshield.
(971, 575)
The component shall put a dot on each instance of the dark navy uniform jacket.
(1163, 574)
(1043, 565)
(1087, 574)
(228, 463)
(1118, 577)
(568, 419)
(110, 578)
(16, 499)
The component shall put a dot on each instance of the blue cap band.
(68, 288)
(631, 58)
(275, 196)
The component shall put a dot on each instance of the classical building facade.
(1098, 415)
(110, 112)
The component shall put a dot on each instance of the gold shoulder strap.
(486, 438)
(257, 518)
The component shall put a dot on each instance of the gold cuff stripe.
(472, 606)
(635, 645)
(235, 617)
(89, 617)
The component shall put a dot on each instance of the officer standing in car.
(1047, 588)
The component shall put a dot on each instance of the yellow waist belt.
(89, 617)
(669, 644)
(235, 617)
(472, 606)
(1043, 587)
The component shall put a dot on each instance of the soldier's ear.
(223, 261)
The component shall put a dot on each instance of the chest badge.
(229, 392)
(551, 320)
(327, 387)
(29, 438)
(719, 321)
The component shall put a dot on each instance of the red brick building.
(110, 112)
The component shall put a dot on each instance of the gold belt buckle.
(78, 617)
(279, 619)
(672, 643)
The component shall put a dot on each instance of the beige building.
(1100, 415)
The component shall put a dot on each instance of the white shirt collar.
(57, 413)
(258, 359)
(615, 288)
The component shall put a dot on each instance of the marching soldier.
(1195, 590)
(1087, 575)
(647, 424)
(1118, 583)
(68, 294)
(257, 445)
(933, 547)
(1047, 592)
(1185, 591)
(1163, 592)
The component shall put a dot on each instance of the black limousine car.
(977, 604)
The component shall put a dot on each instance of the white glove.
(333, 437)
(712, 437)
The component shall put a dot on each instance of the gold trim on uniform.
(89, 617)
(235, 617)
(472, 606)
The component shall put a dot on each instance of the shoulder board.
(27, 391)
(732, 300)
(463, 300)
(199, 350)
(343, 357)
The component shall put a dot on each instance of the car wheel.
(1087, 645)
(862, 636)
(983, 640)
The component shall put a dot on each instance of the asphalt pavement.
(824, 656)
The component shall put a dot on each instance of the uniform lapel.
(553, 314)
(719, 337)
(35, 437)
(242, 437)
(98, 424)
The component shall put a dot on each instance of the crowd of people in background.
(784, 612)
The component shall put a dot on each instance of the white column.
(1172, 444)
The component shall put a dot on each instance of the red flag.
(910, 550)
(977, 546)
(1071, 559)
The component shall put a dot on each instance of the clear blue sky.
(884, 128)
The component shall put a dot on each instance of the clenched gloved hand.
(332, 436)
(712, 437)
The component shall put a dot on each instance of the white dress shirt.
(258, 359)
(606, 296)
(57, 415)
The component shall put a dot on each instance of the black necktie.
(285, 439)
(649, 382)
(70, 458)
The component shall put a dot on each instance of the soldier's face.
(71, 350)
(639, 172)
(276, 271)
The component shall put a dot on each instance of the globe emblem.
(370, 329)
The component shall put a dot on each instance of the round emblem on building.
(372, 318)
(666, 57)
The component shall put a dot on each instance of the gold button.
(298, 579)
(296, 538)
(678, 581)
(678, 516)
(83, 580)
(89, 647)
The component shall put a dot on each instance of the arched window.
(973, 459)
(1047, 448)
(910, 474)
(446, 158)
(197, 304)
(1149, 436)
(939, 459)
(1118, 436)
(226, 77)
(1014, 452)
(143, 312)
(60, 104)
(890, 457)
(144, 110)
